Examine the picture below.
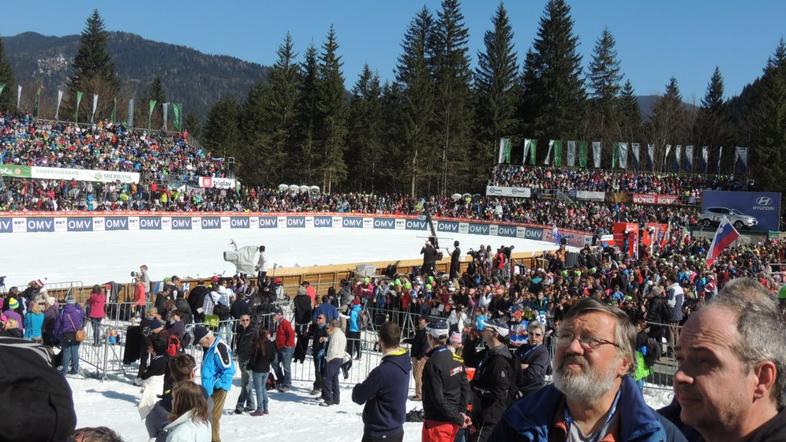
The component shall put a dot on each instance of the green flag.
(532, 154)
(2, 86)
(38, 102)
(557, 153)
(78, 100)
(582, 154)
(504, 150)
(614, 154)
(151, 107)
(177, 112)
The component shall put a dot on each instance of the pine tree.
(307, 116)
(629, 114)
(553, 71)
(451, 74)
(284, 82)
(604, 78)
(417, 107)
(495, 86)
(713, 123)
(221, 132)
(769, 124)
(192, 124)
(332, 113)
(7, 102)
(668, 123)
(93, 72)
(259, 165)
(365, 153)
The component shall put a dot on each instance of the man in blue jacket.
(592, 397)
(217, 371)
(385, 390)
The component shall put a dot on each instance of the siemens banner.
(765, 207)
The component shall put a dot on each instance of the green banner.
(78, 100)
(177, 113)
(614, 153)
(37, 102)
(2, 86)
(532, 149)
(151, 107)
(557, 153)
(15, 170)
(582, 154)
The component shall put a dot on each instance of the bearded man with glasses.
(593, 398)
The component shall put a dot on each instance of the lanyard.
(569, 420)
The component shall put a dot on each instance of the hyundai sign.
(764, 206)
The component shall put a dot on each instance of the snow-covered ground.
(293, 417)
(96, 257)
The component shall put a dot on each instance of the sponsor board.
(133, 223)
(509, 231)
(103, 176)
(447, 226)
(98, 224)
(181, 223)
(296, 222)
(43, 224)
(515, 192)
(20, 225)
(764, 206)
(149, 223)
(116, 223)
(652, 198)
(401, 224)
(210, 222)
(79, 224)
(352, 222)
(268, 222)
(323, 221)
(239, 222)
(384, 223)
(534, 233)
(216, 182)
(590, 196)
(14, 171)
(61, 224)
(521, 232)
(493, 229)
(337, 222)
(416, 224)
(368, 223)
(463, 228)
(478, 229)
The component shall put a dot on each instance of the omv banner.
(764, 206)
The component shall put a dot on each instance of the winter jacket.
(385, 394)
(217, 367)
(184, 308)
(445, 387)
(533, 417)
(241, 306)
(354, 318)
(51, 318)
(139, 294)
(244, 342)
(260, 363)
(285, 335)
(34, 323)
(337, 345)
(419, 344)
(97, 303)
(534, 377)
(184, 429)
(302, 308)
(491, 386)
(329, 310)
(72, 318)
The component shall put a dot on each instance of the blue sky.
(656, 39)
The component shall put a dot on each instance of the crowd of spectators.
(687, 186)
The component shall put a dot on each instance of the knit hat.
(13, 304)
(498, 326)
(438, 328)
(200, 332)
(455, 338)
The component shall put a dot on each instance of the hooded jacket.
(71, 319)
(217, 367)
(354, 318)
(535, 416)
(492, 385)
(445, 387)
(385, 394)
(302, 307)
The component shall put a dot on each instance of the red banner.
(652, 198)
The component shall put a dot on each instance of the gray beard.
(584, 387)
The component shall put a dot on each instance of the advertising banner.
(211, 222)
(40, 224)
(352, 222)
(447, 226)
(296, 222)
(6, 225)
(516, 192)
(534, 233)
(181, 223)
(116, 223)
(269, 222)
(384, 223)
(416, 224)
(149, 223)
(103, 176)
(15, 171)
(590, 196)
(323, 221)
(80, 224)
(652, 198)
(209, 182)
(478, 229)
(509, 231)
(626, 237)
(764, 206)
(239, 222)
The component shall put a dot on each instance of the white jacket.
(262, 263)
(337, 345)
(184, 429)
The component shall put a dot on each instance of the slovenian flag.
(724, 236)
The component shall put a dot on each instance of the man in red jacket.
(285, 348)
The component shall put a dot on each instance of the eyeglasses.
(536, 334)
(590, 342)
(245, 320)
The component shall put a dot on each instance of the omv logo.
(763, 201)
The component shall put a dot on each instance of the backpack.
(172, 346)
(653, 352)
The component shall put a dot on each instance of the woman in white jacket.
(190, 420)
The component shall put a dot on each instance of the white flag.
(166, 106)
(59, 100)
(634, 147)
(130, 121)
(651, 155)
(95, 105)
(596, 154)
(571, 154)
(623, 158)
(548, 154)
(18, 96)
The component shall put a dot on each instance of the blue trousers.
(70, 357)
(260, 379)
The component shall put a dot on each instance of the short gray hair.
(760, 328)
(624, 332)
(536, 325)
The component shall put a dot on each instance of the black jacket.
(658, 311)
(491, 386)
(302, 309)
(241, 306)
(419, 344)
(260, 363)
(534, 376)
(196, 297)
(315, 332)
(186, 314)
(445, 387)
(244, 342)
